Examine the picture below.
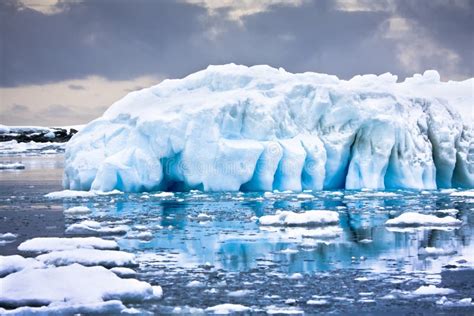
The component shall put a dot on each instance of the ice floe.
(10, 264)
(417, 219)
(48, 244)
(89, 257)
(307, 218)
(90, 227)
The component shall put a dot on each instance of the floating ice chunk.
(77, 210)
(276, 310)
(111, 307)
(223, 309)
(89, 227)
(8, 236)
(195, 283)
(164, 195)
(71, 285)
(124, 272)
(65, 194)
(307, 218)
(203, 217)
(10, 264)
(432, 290)
(89, 257)
(433, 251)
(318, 302)
(70, 194)
(240, 293)
(416, 219)
(47, 244)
(468, 193)
(450, 211)
(304, 196)
(12, 166)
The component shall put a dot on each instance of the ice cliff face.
(234, 127)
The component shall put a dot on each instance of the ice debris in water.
(89, 227)
(307, 218)
(233, 127)
(416, 219)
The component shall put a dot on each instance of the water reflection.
(231, 238)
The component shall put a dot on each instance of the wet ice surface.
(208, 249)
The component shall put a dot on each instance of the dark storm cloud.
(125, 39)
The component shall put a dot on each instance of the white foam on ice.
(417, 219)
(307, 218)
(48, 244)
(234, 127)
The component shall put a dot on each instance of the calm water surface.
(357, 266)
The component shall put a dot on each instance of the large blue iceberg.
(258, 128)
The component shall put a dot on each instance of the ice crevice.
(257, 128)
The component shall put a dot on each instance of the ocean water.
(206, 249)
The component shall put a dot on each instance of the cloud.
(39, 104)
(76, 87)
(235, 10)
(70, 44)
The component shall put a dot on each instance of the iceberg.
(233, 127)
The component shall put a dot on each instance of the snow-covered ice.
(417, 219)
(432, 290)
(90, 227)
(307, 218)
(68, 286)
(77, 210)
(48, 244)
(234, 127)
(71, 194)
(228, 308)
(89, 257)
(10, 264)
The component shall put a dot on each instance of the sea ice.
(71, 285)
(307, 218)
(10, 264)
(48, 244)
(416, 219)
(432, 290)
(223, 309)
(89, 257)
(89, 227)
(13, 165)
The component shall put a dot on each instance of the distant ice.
(13, 165)
(432, 290)
(223, 309)
(65, 194)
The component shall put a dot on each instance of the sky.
(63, 62)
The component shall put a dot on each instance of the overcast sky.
(64, 62)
